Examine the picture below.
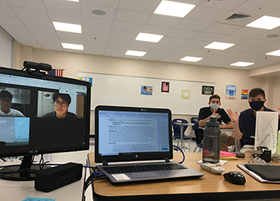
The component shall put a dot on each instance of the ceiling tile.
(248, 32)
(15, 29)
(6, 11)
(120, 41)
(142, 6)
(34, 4)
(107, 3)
(224, 4)
(132, 16)
(88, 8)
(95, 31)
(43, 38)
(206, 13)
(114, 53)
(125, 26)
(208, 37)
(97, 22)
(42, 32)
(92, 37)
(221, 28)
(31, 13)
(143, 44)
(255, 42)
(163, 21)
(155, 30)
(171, 40)
(62, 34)
(124, 34)
(95, 51)
(259, 6)
(196, 43)
(3, 2)
(42, 24)
(234, 39)
(180, 33)
(51, 45)
(66, 18)
(118, 46)
(152, 57)
(194, 25)
(6, 20)
(62, 6)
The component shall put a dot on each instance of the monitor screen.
(42, 114)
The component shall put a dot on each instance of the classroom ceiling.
(30, 23)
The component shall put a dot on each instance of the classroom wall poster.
(186, 94)
(244, 94)
(230, 92)
(146, 90)
(208, 90)
(165, 87)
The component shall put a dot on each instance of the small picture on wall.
(244, 94)
(186, 94)
(165, 87)
(89, 79)
(230, 92)
(208, 90)
(146, 90)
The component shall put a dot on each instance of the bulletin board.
(181, 97)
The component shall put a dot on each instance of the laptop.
(135, 144)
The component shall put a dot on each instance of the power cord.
(181, 152)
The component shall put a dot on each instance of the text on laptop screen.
(126, 132)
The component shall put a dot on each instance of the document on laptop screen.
(132, 132)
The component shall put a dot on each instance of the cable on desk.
(181, 152)
(95, 175)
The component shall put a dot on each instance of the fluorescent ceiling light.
(265, 22)
(191, 59)
(135, 53)
(219, 45)
(72, 46)
(241, 63)
(60, 26)
(274, 53)
(174, 9)
(74, 0)
(149, 37)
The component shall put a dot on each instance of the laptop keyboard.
(143, 168)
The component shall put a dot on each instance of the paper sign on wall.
(266, 130)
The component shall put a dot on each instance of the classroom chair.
(193, 120)
(198, 139)
(177, 132)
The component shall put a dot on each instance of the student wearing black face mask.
(245, 129)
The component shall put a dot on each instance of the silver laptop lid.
(131, 134)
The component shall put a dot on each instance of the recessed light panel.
(219, 45)
(242, 64)
(149, 37)
(191, 59)
(265, 22)
(72, 46)
(135, 53)
(274, 53)
(74, 28)
(74, 0)
(174, 9)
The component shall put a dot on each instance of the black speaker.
(56, 177)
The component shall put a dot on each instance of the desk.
(19, 190)
(181, 132)
(208, 187)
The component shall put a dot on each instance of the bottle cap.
(212, 121)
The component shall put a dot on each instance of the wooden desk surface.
(209, 183)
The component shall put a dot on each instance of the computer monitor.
(41, 114)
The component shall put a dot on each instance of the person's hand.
(233, 115)
(215, 114)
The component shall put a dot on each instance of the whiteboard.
(126, 91)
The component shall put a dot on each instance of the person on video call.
(245, 126)
(61, 104)
(5, 104)
(220, 113)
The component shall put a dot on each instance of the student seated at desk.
(214, 109)
(244, 130)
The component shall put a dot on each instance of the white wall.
(73, 62)
(5, 49)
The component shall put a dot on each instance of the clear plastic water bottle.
(211, 141)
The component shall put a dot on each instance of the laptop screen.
(126, 133)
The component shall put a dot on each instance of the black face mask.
(256, 105)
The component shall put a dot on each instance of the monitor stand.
(23, 172)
